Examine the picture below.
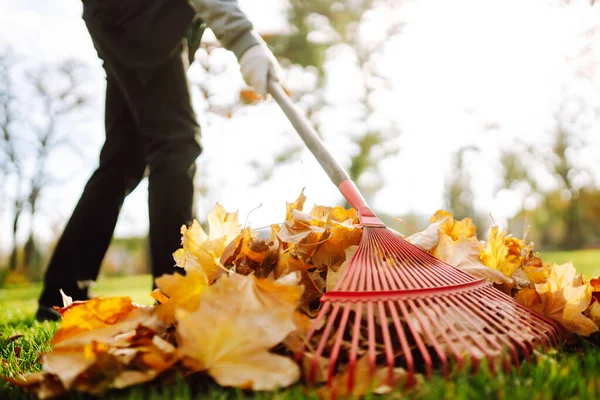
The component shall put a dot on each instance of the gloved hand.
(258, 65)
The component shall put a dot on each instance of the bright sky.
(457, 67)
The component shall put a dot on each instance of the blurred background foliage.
(562, 216)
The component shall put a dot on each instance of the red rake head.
(397, 306)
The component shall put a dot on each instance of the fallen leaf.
(502, 252)
(249, 96)
(331, 253)
(464, 254)
(182, 291)
(457, 230)
(298, 204)
(42, 384)
(231, 340)
(363, 381)
(333, 275)
(91, 315)
(531, 299)
(68, 363)
(565, 298)
(202, 250)
(348, 217)
(595, 284)
(427, 238)
(593, 312)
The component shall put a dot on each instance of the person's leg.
(83, 244)
(166, 119)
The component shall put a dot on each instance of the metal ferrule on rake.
(400, 307)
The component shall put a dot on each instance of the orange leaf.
(249, 96)
(92, 314)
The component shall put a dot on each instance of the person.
(146, 47)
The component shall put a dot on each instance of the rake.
(399, 306)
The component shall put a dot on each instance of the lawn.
(585, 261)
(571, 373)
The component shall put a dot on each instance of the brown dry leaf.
(42, 384)
(333, 275)
(565, 297)
(288, 262)
(593, 312)
(88, 350)
(318, 370)
(464, 254)
(121, 358)
(250, 254)
(231, 339)
(68, 363)
(204, 250)
(332, 252)
(294, 342)
(314, 287)
(502, 252)
(595, 284)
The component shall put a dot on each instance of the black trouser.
(149, 124)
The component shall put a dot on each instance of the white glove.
(258, 65)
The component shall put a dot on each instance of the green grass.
(585, 261)
(20, 301)
(572, 373)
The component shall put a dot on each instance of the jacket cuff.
(244, 42)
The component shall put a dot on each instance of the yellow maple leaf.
(252, 294)
(202, 250)
(565, 297)
(337, 214)
(502, 252)
(457, 230)
(233, 329)
(537, 274)
(464, 254)
(180, 292)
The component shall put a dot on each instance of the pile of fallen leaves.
(249, 296)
